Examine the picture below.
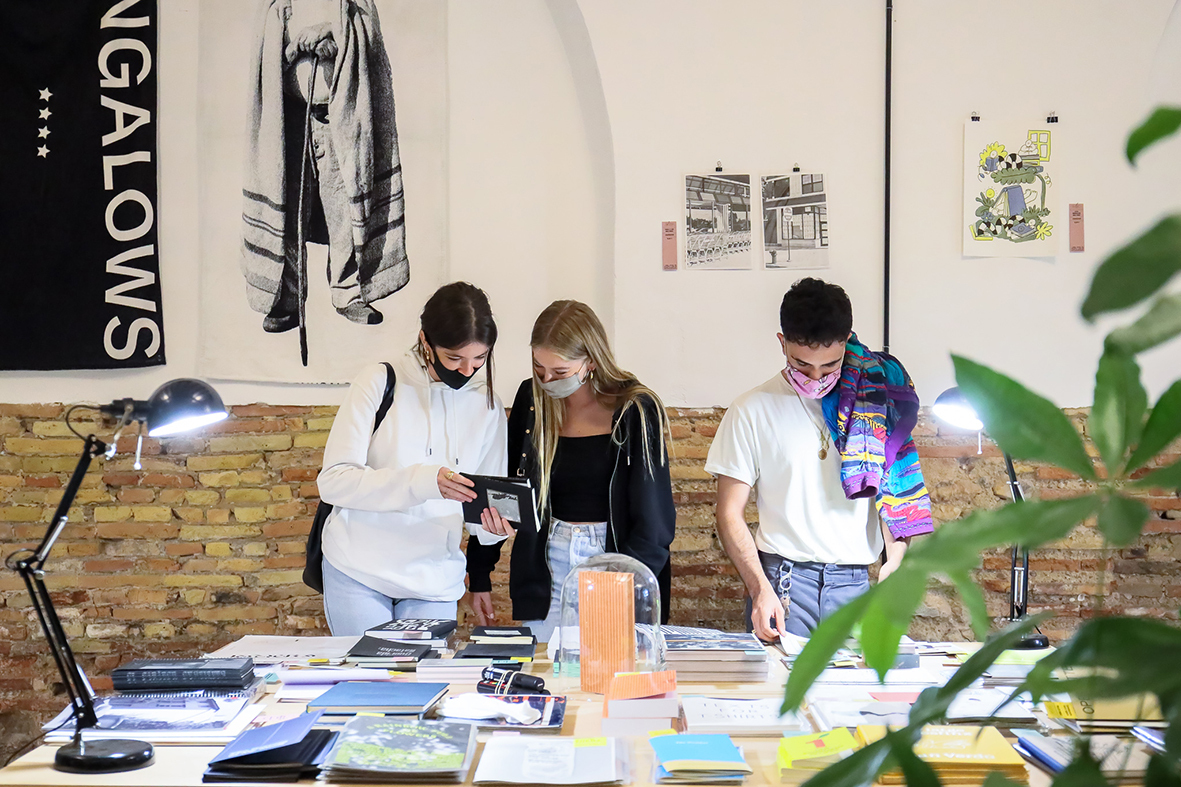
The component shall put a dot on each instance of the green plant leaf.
(822, 644)
(888, 616)
(973, 598)
(1022, 423)
(1161, 773)
(933, 703)
(1159, 324)
(1082, 771)
(858, 769)
(1121, 519)
(1117, 416)
(1122, 657)
(1164, 425)
(956, 546)
(1136, 271)
(1163, 122)
(1162, 478)
(915, 772)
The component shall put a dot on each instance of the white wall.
(572, 125)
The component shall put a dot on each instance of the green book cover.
(398, 745)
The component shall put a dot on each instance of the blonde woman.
(592, 439)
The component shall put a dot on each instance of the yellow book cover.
(1142, 707)
(800, 751)
(955, 745)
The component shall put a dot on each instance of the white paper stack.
(532, 760)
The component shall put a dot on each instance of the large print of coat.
(361, 115)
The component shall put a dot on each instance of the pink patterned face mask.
(807, 387)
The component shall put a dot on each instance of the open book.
(513, 498)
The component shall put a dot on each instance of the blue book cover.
(379, 697)
(698, 753)
(268, 738)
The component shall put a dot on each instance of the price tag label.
(582, 743)
(1060, 710)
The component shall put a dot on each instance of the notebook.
(390, 698)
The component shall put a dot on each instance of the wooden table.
(182, 766)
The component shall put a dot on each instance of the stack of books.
(528, 759)
(638, 703)
(454, 670)
(390, 654)
(711, 656)
(161, 719)
(989, 706)
(958, 754)
(503, 635)
(402, 699)
(1106, 715)
(375, 750)
(1119, 760)
(434, 632)
(183, 674)
(693, 759)
(744, 717)
(800, 757)
(282, 752)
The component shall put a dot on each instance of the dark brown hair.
(456, 315)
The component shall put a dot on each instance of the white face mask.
(564, 386)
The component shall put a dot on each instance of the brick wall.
(205, 542)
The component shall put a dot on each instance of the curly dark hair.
(815, 313)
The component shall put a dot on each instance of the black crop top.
(580, 479)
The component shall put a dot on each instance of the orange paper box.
(606, 627)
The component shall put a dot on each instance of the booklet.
(523, 759)
(286, 751)
(513, 498)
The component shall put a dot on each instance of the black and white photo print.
(717, 222)
(329, 181)
(795, 221)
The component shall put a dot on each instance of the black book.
(287, 751)
(372, 648)
(513, 498)
(487, 650)
(412, 629)
(183, 674)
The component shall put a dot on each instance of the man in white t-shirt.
(813, 545)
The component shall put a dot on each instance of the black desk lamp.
(177, 406)
(951, 407)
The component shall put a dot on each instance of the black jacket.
(643, 518)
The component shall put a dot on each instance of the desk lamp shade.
(951, 407)
(177, 406)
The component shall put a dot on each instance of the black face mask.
(453, 377)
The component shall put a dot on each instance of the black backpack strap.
(387, 398)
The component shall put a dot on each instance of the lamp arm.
(1019, 571)
(32, 572)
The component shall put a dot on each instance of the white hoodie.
(391, 529)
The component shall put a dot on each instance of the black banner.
(79, 256)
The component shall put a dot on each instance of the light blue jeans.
(812, 591)
(569, 546)
(351, 607)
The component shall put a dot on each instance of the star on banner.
(42, 133)
(45, 94)
(43, 152)
(45, 113)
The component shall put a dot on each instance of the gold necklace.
(821, 429)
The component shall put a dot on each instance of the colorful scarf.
(871, 413)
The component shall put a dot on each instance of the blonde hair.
(572, 330)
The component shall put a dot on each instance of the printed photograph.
(795, 222)
(717, 222)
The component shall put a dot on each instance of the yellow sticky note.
(1060, 710)
(658, 733)
(379, 715)
(580, 743)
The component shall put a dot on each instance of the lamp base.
(103, 756)
(1032, 642)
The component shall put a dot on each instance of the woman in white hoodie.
(392, 542)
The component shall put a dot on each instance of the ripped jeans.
(810, 591)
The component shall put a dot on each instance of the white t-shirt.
(767, 439)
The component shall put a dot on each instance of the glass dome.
(610, 622)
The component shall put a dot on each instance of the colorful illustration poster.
(1010, 204)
